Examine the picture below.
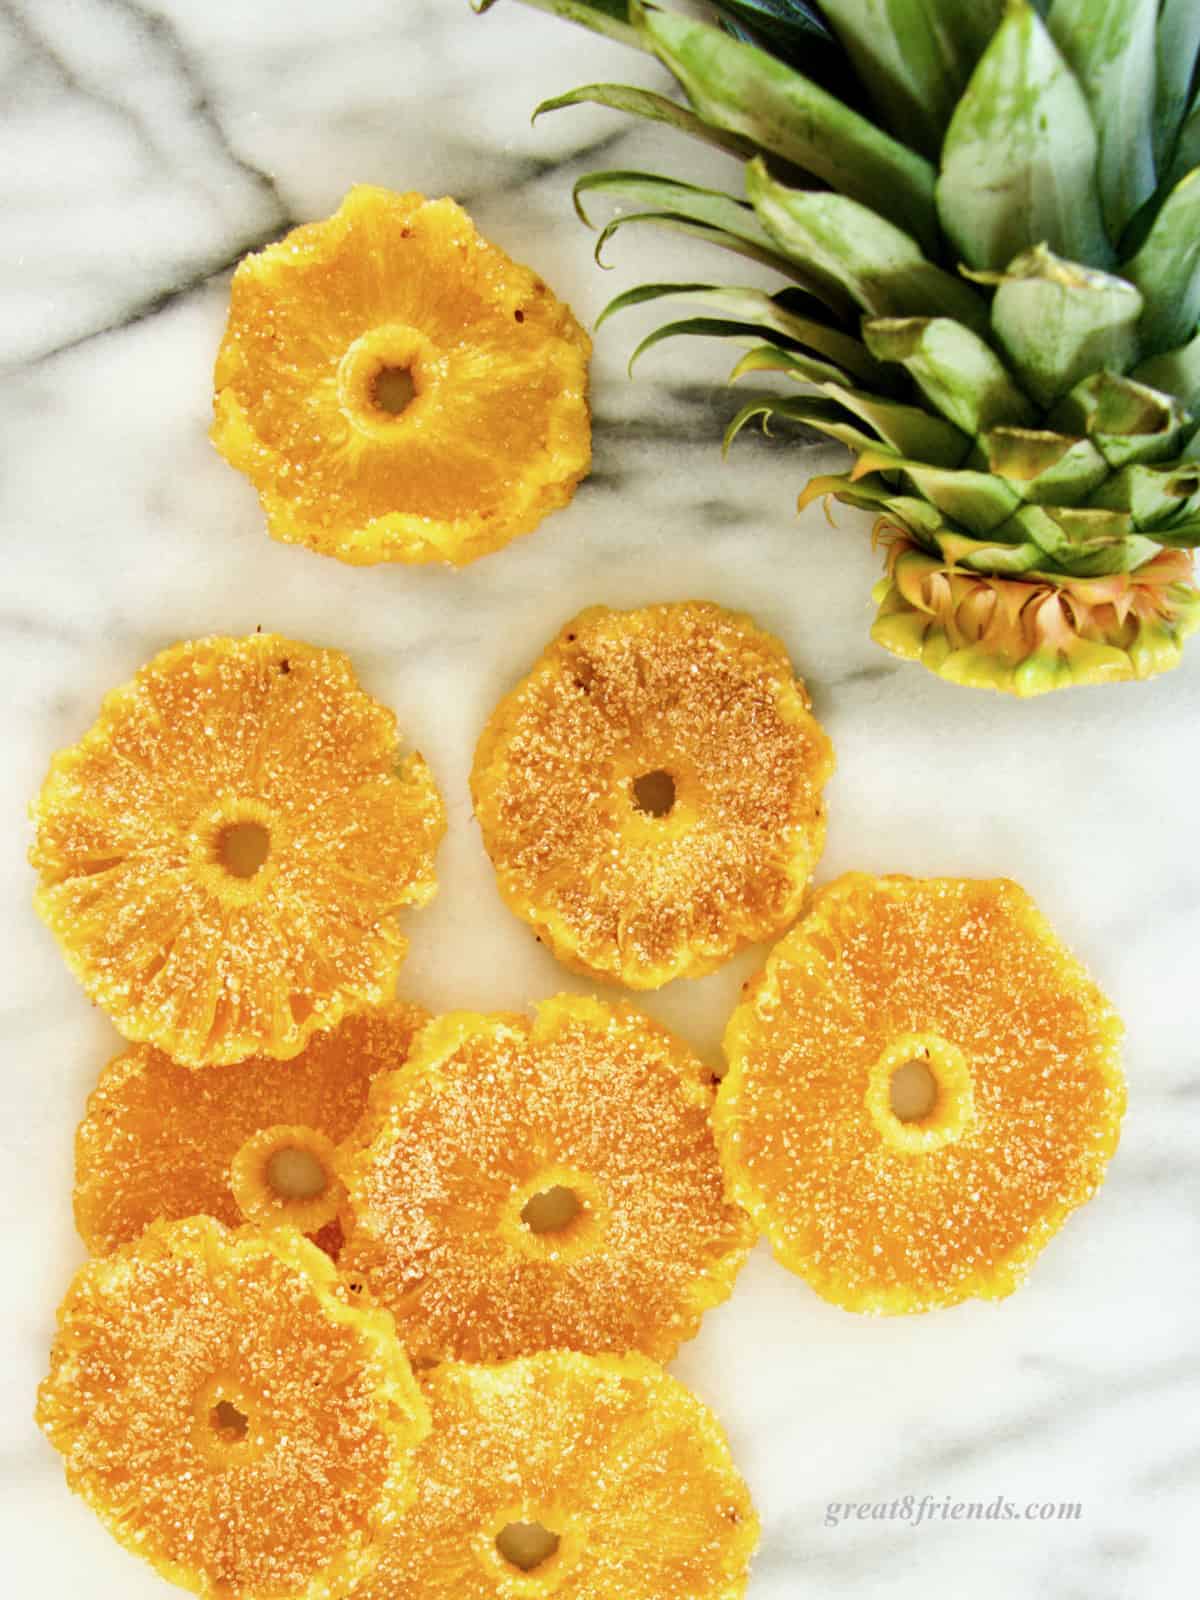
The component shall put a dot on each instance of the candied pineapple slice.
(230, 1414)
(922, 1085)
(163, 1141)
(651, 794)
(572, 1475)
(397, 389)
(531, 1185)
(223, 855)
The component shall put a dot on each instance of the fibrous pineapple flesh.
(989, 219)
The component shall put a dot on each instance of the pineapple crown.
(988, 220)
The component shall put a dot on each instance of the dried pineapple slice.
(164, 1141)
(229, 1413)
(923, 1084)
(578, 1476)
(650, 795)
(526, 1186)
(222, 855)
(397, 389)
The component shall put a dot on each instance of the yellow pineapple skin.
(497, 434)
(631, 1471)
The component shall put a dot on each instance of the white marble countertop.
(144, 147)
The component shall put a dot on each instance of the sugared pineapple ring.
(229, 1413)
(582, 1477)
(252, 1142)
(650, 795)
(923, 1084)
(397, 389)
(222, 856)
(525, 1186)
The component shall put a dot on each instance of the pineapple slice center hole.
(296, 1174)
(228, 1423)
(526, 1545)
(913, 1091)
(393, 390)
(550, 1211)
(243, 847)
(654, 793)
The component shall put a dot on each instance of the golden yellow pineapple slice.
(230, 1415)
(397, 389)
(922, 1085)
(531, 1185)
(162, 1141)
(651, 794)
(222, 856)
(583, 1477)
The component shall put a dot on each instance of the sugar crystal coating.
(397, 389)
(629, 1470)
(493, 1111)
(884, 1214)
(230, 1414)
(159, 1139)
(650, 795)
(223, 855)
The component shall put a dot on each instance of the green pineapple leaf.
(812, 368)
(1045, 468)
(654, 108)
(879, 265)
(1057, 321)
(1153, 496)
(1175, 372)
(1110, 47)
(768, 315)
(744, 91)
(956, 371)
(1167, 270)
(1019, 159)
(610, 17)
(915, 56)
(1126, 421)
(1178, 48)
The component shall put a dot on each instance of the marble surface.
(144, 147)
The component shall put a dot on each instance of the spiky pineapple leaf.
(956, 371)
(1127, 421)
(1175, 372)
(1153, 496)
(1187, 147)
(609, 17)
(812, 368)
(908, 430)
(915, 56)
(707, 214)
(1046, 468)
(1110, 47)
(1058, 321)
(1178, 47)
(797, 364)
(654, 108)
(744, 91)
(981, 502)
(767, 313)
(1019, 158)
(880, 266)
(1167, 270)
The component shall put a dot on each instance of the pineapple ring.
(600, 1475)
(887, 1210)
(222, 855)
(163, 1141)
(452, 1215)
(230, 1414)
(650, 795)
(399, 295)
